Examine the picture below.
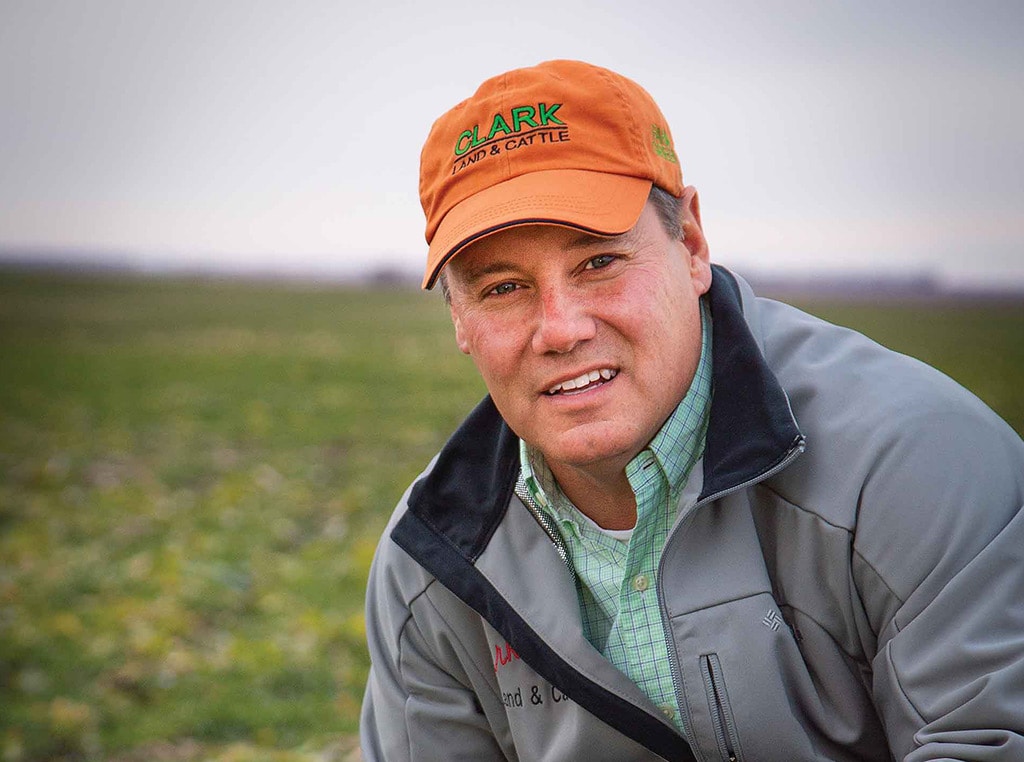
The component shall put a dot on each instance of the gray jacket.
(845, 579)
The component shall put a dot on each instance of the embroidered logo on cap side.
(662, 144)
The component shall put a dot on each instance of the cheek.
(492, 349)
(643, 311)
(661, 330)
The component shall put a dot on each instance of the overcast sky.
(862, 136)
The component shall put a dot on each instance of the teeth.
(584, 379)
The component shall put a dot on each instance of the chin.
(581, 449)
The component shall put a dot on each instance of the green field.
(193, 475)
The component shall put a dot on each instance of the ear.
(460, 335)
(694, 241)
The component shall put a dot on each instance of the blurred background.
(216, 373)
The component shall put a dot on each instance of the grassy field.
(193, 476)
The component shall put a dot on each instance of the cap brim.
(594, 202)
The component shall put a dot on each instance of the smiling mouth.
(583, 382)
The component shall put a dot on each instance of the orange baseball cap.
(561, 143)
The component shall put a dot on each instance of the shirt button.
(641, 582)
(668, 711)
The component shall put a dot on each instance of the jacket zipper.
(673, 654)
(523, 493)
(725, 728)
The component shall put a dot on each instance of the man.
(686, 523)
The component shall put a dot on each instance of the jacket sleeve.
(941, 540)
(419, 703)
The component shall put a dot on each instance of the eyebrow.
(474, 273)
(584, 240)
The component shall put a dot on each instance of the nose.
(563, 323)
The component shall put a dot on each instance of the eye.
(503, 288)
(601, 260)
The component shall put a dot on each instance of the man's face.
(586, 344)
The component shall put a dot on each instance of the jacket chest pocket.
(721, 710)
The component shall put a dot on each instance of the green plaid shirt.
(616, 577)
